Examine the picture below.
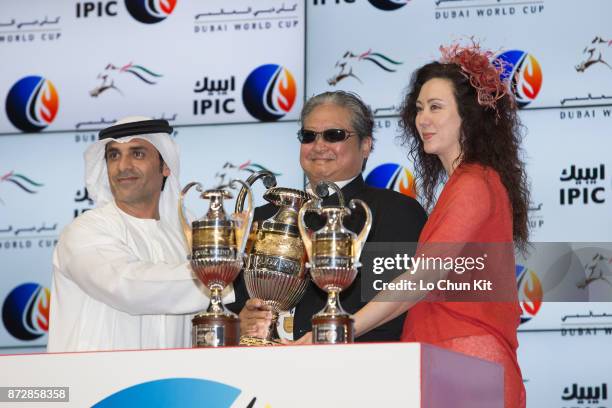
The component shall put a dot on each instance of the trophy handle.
(363, 235)
(187, 233)
(251, 238)
(303, 230)
(244, 218)
(269, 181)
(321, 190)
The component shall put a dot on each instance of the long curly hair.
(489, 135)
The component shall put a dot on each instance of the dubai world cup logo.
(150, 11)
(392, 176)
(25, 311)
(269, 92)
(522, 70)
(32, 103)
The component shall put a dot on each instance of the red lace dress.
(473, 207)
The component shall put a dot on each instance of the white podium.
(358, 375)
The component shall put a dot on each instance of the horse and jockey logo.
(23, 182)
(113, 74)
(595, 52)
(350, 61)
(231, 171)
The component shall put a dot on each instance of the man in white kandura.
(121, 279)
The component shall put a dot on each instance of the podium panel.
(358, 375)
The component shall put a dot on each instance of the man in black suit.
(336, 140)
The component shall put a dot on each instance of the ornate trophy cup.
(217, 244)
(275, 270)
(333, 253)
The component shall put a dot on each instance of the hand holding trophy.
(333, 253)
(217, 245)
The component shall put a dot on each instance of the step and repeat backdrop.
(232, 76)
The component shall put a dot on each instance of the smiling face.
(339, 161)
(135, 174)
(438, 121)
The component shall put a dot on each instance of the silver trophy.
(333, 253)
(217, 245)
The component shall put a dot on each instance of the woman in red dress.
(461, 124)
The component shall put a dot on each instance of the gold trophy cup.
(333, 253)
(217, 244)
(275, 270)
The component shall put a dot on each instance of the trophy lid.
(216, 192)
(289, 201)
(335, 210)
(333, 225)
(216, 213)
(286, 197)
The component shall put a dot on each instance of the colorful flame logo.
(530, 292)
(177, 392)
(388, 5)
(150, 11)
(269, 92)
(32, 103)
(524, 74)
(25, 311)
(394, 177)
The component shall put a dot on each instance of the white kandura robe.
(121, 282)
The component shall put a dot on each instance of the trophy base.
(334, 329)
(257, 342)
(215, 330)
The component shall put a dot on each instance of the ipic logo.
(588, 185)
(393, 177)
(524, 73)
(150, 11)
(386, 5)
(145, 11)
(214, 96)
(591, 395)
(324, 2)
(530, 292)
(269, 92)
(87, 9)
(32, 103)
(25, 311)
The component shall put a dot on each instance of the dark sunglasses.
(329, 135)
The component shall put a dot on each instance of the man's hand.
(255, 318)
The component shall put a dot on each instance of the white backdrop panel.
(102, 65)
(375, 51)
(552, 146)
(553, 362)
